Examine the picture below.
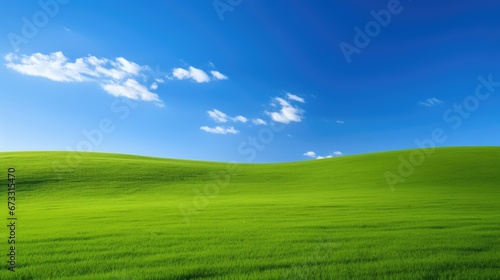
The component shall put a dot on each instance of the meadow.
(112, 216)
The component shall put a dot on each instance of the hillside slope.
(108, 216)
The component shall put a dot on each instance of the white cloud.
(218, 75)
(54, 66)
(310, 154)
(217, 116)
(10, 57)
(340, 122)
(194, 74)
(430, 102)
(295, 97)
(219, 130)
(131, 89)
(239, 119)
(154, 86)
(288, 113)
(117, 77)
(259, 122)
(320, 157)
(127, 66)
(221, 117)
(197, 75)
(181, 73)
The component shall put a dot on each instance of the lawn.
(107, 216)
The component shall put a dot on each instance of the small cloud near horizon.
(312, 154)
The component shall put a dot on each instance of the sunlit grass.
(118, 217)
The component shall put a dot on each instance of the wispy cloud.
(219, 130)
(220, 117)
(197, 75)
(287, 113)
(192, 73)
(239, 119)
(295, 97)
(118, 77)
(130, 89)
(259, 122)
(217, 116)
(430, 102)
(218, 75)
(340, 122)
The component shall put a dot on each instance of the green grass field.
(127, 217)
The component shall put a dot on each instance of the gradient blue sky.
(181, 79)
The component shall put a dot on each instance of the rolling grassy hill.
(108, 216)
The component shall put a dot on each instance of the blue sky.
(248, 81)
